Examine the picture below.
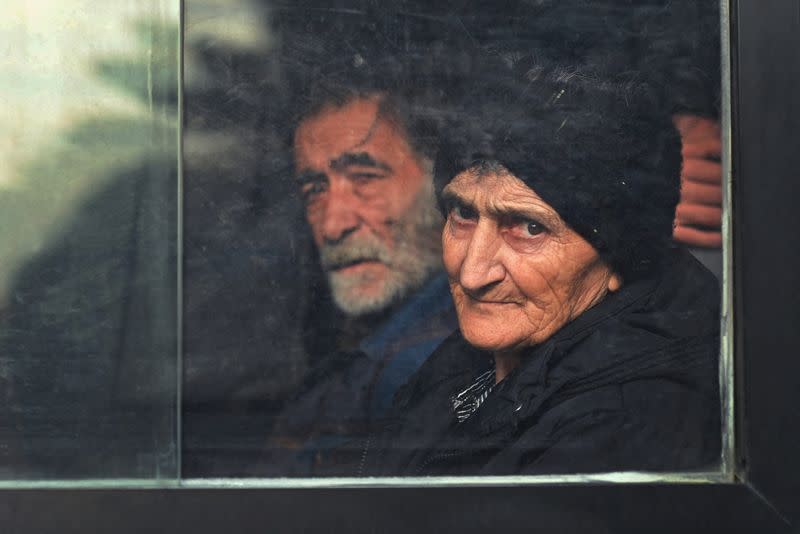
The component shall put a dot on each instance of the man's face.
(517, 272)
(370, 205)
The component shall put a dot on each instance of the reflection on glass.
(418, 240)
(574, 150)
(88, 198)
(246, 261)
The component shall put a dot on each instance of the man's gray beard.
(417, 254)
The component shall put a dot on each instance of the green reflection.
(88, 241)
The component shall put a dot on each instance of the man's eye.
(365, 176)
(463, 213)
(312, 189)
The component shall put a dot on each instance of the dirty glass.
(557, 165)
(262, 239)
(89, 137)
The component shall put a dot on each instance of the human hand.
(698, 216)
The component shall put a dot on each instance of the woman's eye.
(532, 228)
(527, 228)
(463, 213)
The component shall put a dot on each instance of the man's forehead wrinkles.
(365, 159)
(330, 127)
(376, 118)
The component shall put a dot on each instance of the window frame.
(764, 494)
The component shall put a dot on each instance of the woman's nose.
(482, 267)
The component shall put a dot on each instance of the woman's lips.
(477, 300)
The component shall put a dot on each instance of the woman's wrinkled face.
(517, 272)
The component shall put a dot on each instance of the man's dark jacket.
(631, 384)
(322, 431)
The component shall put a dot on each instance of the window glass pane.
(88, 239)
(555, 165)
(352, 170)
(574, 149)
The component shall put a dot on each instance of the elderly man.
(370, 204)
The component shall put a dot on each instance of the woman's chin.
(490, 340)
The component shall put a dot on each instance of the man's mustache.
(336, 256)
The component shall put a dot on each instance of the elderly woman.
(587, 341)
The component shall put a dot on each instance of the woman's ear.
(614, 282)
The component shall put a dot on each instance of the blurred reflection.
(249, 274)
(88, 281)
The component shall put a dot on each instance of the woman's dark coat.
(631, 384)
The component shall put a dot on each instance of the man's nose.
(482, 267)
(341, 214)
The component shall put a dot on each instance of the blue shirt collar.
(431, 299)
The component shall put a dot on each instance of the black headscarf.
(598, 149)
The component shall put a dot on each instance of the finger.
(693, 127)
(697, 238)
(703, 148)
(695, 214)
(702, 170)
(701, 193)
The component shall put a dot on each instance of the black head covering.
(600, 151)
